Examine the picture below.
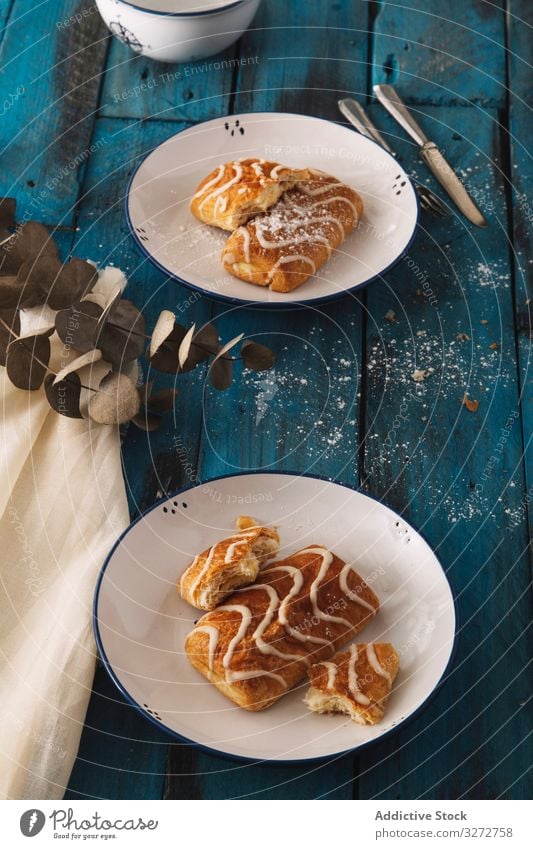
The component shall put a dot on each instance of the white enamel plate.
(161, 189)
(141, 622)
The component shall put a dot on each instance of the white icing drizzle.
(208, 561)
(243, 627)
(332, 673)
(282, 613)
(217, 192)
(276, 171)
(267, 648)
(254, 673)
(286, 259)
(213, 639)
(318, 190)
(301, 239)
(221, 204)
(337, 199)
(244, 232)
(211, 183)
(352, 678)
(375, 664)
(230, 674)
(343, 583)
(241, 539)
(327, 557)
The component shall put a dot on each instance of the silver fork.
(358, 118)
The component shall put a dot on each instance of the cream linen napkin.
(62, 505)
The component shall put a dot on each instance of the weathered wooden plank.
(302, 417)
(5, 10)
(55, 66)
(458, 475)
(310, 54)
(204, 777)
(152, 463)
(521, 169)
(441, 55)
(138, 87)
(121, 755)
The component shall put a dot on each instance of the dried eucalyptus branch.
(108, 335)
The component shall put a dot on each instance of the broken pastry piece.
(356, 682)
(236, 191)
(287, 245)
(229, 564)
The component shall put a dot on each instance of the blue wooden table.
(81, 107)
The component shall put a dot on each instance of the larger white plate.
(141, 622)
(160, 191)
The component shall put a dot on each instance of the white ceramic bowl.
(178, 30)
(159, 217)
(141, 622)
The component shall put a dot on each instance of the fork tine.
(431, 203)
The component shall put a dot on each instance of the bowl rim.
(240, 758)
(230, 4)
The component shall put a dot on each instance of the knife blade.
(430, 154)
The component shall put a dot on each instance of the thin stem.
(133, 332)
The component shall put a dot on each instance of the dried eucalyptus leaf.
(86, 359)
(27, 361)
(64, 396)
(166, 357)
(207, 337)
(122, 338)
(35, 277)
(116, 400)
(29, 241)
(9, 292)
(9, 330)
(225, 348)
(76, 326)
(204, 344)
(257, 357)
(108, 305)
(162, 330)
(185, 346)
(146, 421)
(74, 280)
(162, 401)
(221, 374)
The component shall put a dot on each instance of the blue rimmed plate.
(141, 622)
(157, 203)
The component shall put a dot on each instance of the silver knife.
(430, 154)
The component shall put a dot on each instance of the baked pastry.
(356, 682)
(236, 191)
(261, 642)
(228, 564)
(287, 245)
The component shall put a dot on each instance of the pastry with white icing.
(261, 642)
(356, 682)
(236, 191)
(231, 563)
(292, 241)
